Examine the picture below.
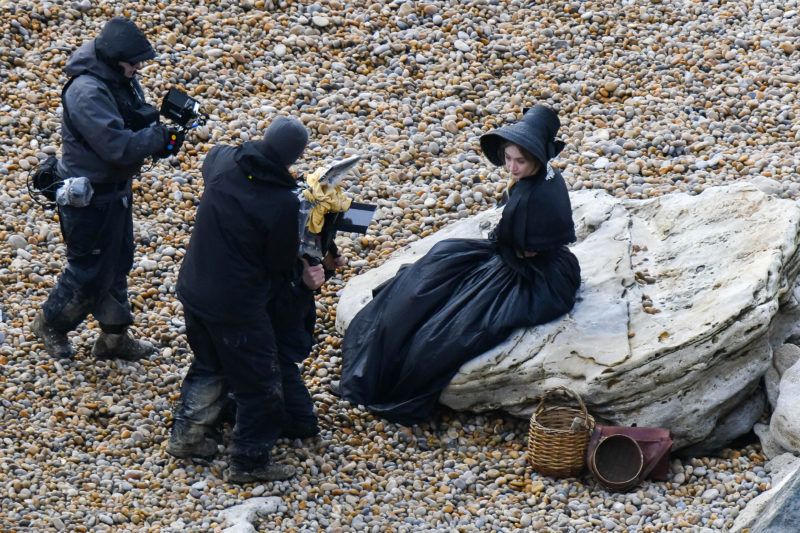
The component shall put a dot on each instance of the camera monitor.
(180, 107)
(356, 219)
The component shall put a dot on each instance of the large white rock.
(783, 358)
(784, 426)
(769, 447)
(718, 268)
(782, 470)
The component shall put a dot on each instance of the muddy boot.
(121, 346)
(248, 472)
(188, 442)
(55, 342)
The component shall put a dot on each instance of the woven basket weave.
(555, 448)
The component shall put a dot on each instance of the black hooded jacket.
(97, 143)
(245, 238)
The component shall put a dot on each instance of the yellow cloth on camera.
(324, 198)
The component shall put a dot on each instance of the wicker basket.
(555, 448)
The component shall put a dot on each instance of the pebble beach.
(654, 97)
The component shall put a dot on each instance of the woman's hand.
(523, 254)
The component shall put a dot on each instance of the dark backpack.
(45, 179)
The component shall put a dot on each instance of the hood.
(84, 59)
(256, 164)
(121, 40)
(284, 141)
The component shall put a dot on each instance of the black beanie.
(284, 140)
(121, 40)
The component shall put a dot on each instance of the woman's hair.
(526, 154)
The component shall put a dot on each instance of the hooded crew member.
(246, 235)
(244, 245)
(105, 140)
(101, 137)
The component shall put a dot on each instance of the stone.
(781, 467)
(381, 49)
(784, 425)
(461, 46)
(739, 420)
(148, 264)
(784, 357)
(320, 21)
(767, 185)
(18, 242)
(601, 163)
(772, 383)
(405, 9)
(769, 446)
(685, 364)
(775, 511)
(240, 518)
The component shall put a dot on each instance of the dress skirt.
(461, 299)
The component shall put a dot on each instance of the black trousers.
(293, 314)
(242, 358)
(99, 239)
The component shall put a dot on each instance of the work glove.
(173, 139)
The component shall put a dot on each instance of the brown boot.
(121, 346)
(55, 342)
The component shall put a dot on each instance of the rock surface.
(778, 509)
(784, 469)
(784, 425)
(672, 323)
(769, 447)
(241, 518)
(783, 358)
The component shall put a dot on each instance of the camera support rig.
(183, 110)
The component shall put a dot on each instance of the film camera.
(356, 218)
(183, 110)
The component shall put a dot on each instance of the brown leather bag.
(651, 460)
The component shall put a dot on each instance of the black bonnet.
(536, 133)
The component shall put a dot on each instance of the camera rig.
(183, 110)
(322, 193)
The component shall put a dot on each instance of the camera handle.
(311, 260)
(201, 120)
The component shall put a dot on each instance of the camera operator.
(107, 132)
(242, 250)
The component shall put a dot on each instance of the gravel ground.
(655, 97)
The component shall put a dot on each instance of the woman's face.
(517, 164)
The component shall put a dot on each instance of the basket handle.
(567, 392)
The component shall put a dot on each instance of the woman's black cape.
(462, 298)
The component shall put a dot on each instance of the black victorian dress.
(462, 298)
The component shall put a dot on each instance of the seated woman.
(466, 296)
